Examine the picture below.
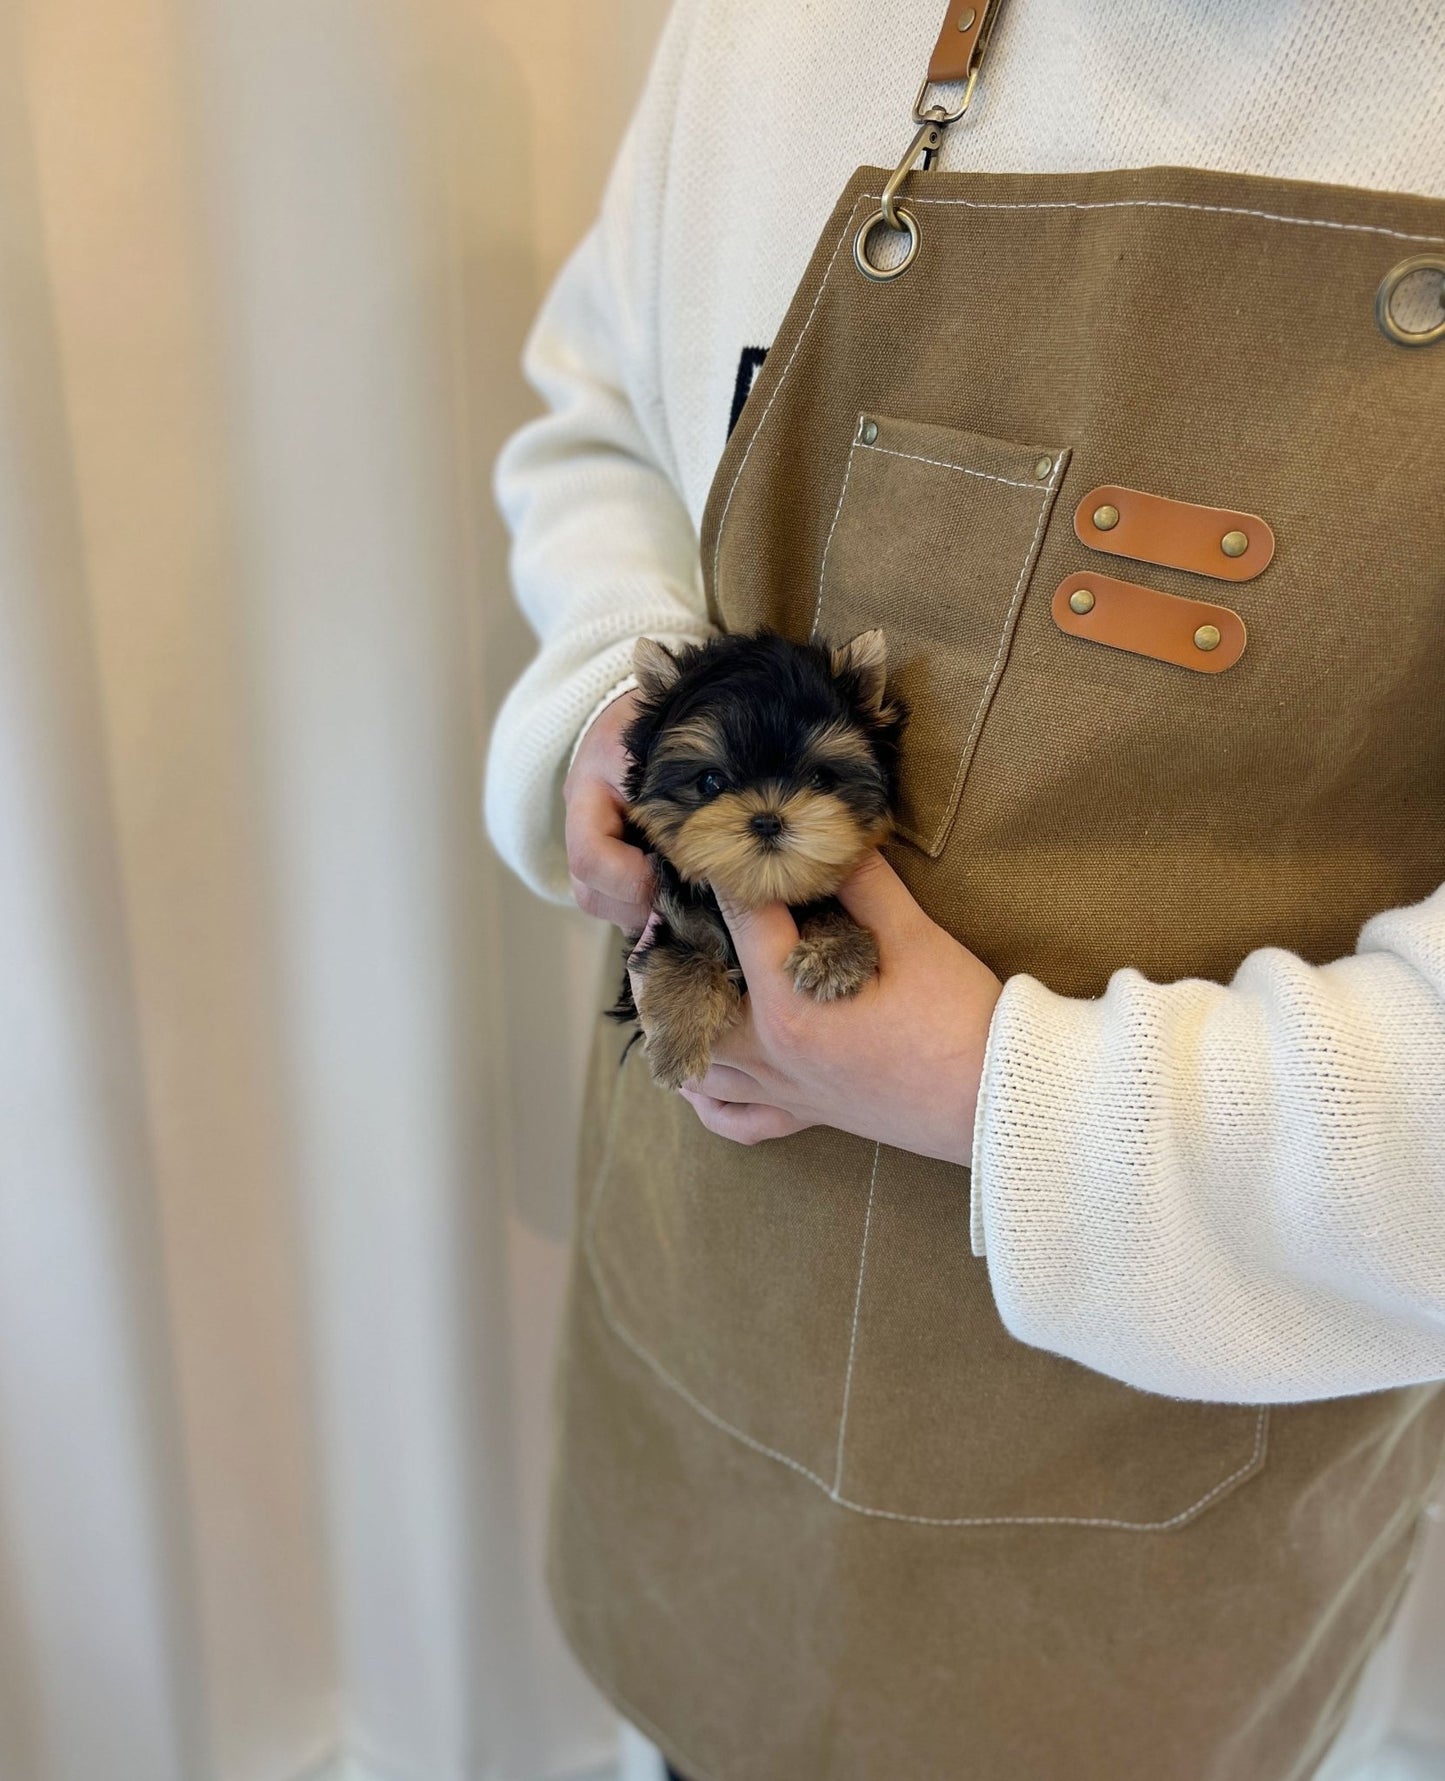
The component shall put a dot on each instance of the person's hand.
(610, 879)
(899, 1062)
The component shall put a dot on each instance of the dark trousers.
(672, 1774)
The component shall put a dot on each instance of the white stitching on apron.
(625, 1336)
(1035, 487)
(1042, 490)
(857, 1307)
(986, 696)
(823, 565)
(1266, 216)
(1261, 1432)
(762, 418)
(914, 458)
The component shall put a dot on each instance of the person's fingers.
(593, 804)
(724, 1083)
(878, 899)
(591, 901)
(643, 937)
(742, 1124)
(763, 937)
(595, 848)
(736, 1046)
(633, 978)
(615, 877)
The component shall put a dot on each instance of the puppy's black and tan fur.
(763, 770)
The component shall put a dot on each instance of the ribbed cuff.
(612, 694)
(1023, 1014)
(980, 1115)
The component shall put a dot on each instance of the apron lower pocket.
(731, 1271)
(952, 1420)
(934, 538)
(816, 1299)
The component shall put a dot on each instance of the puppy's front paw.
(675, 1056)
(684, 1002)
(834, 957)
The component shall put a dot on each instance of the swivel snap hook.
(926, 142)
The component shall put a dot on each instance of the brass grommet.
(1043, 467)
(1234, 544)
(1106, 518)
(868, 431)
(1081, 600)
(966, 18)
(881, 274)
(1385, 297)
(1207, 637)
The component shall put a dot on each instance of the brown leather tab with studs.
(1189, 633)
(1203, 540)
(962, 27)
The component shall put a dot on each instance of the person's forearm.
(1231, 1193)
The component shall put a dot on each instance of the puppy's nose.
(767, 826)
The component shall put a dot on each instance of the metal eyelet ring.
(1385, 297)
(881, 274)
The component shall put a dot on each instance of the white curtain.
(287, 1071)
(288, 1068)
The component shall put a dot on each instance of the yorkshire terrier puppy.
(763, 770)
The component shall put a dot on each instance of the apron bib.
(815, 1513)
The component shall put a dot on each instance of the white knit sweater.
(1227, 1192)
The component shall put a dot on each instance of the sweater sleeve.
(603, 548)
(1227, 1193)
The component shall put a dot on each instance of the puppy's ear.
(656, 668)
(867, 657)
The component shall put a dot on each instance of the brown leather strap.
(1189, 633)
(1210, 541)
(962, 27)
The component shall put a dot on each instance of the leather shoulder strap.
(963, 27)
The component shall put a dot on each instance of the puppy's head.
(761, 767)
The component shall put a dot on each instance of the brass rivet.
(1081, 600)
(868, 432)
(1207, 637)
(1106, 518)
(1234, 544)
(1042, 468)
(966, 18)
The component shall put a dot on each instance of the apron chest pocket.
(935, 538)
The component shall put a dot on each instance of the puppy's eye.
(823, 780)
(711, 784)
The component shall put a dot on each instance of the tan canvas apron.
(815, 1513)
